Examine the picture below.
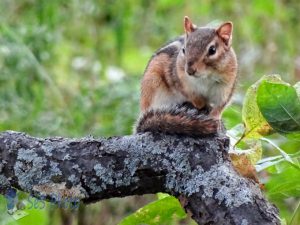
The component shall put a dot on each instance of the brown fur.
(178, 120)
(154, 79)
(167, 84)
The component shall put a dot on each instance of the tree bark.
(89, 169)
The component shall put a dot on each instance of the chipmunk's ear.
(188, 25)
(225, 32)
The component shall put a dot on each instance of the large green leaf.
(280, 106)
(35, 216)
(161, 211)
(256, 125)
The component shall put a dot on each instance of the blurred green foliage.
(72, 68)
(161, 211)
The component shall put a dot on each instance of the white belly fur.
(209, 86)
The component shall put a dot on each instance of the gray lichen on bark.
(90, 169)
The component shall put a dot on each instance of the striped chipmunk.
(196, 71)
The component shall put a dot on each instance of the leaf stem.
(283, 153)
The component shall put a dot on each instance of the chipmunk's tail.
(179, 120)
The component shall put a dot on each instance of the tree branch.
(197, 170)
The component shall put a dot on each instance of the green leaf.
(34, 215)
(161, 195)
(24, 213)
(285, 184)
(293, 136)
(280, 106)
(256, 125)
(157, 212)
(232, 116)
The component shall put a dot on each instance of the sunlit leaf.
(35, 214)
(280, 106)
(24, 212)
(162, 195)
(256, 125)
(161, 211)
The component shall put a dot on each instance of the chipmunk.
(198, 68)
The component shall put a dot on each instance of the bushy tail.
(180, 120)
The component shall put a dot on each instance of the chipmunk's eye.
(183, 50)
(212, 50)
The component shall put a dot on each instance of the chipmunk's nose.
(191, 71)
(190, 68)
